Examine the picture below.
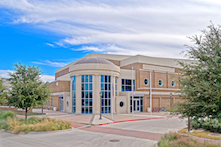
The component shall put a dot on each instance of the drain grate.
(114, 140)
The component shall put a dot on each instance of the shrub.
(9, 122)
(33, 120)
(6, 114)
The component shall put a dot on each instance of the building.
(78, 85)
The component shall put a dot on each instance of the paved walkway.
(106, 118)
(136, 134)
(141, 125)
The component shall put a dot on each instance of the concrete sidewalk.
(91, 119)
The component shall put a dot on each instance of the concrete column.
(118, 85)
(70, 98)
(78, 94)
(114, 98)
(96, 93)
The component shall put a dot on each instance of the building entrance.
(61, 104)
(137, 105)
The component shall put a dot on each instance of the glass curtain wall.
(86, 94)
(127, 84)
(73, 94)
(106, 93)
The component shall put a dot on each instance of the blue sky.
(53, 33)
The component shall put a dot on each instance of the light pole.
(170, 102)
(100, 103)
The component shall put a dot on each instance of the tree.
(200, 80)
(3, 93)
(27, 88)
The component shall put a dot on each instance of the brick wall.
(60, 86)
(160, 101)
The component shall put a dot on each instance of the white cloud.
(4, 73)
(45, 78)
(50, 63)
(49, 44)
(156, 28)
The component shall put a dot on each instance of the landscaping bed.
(202, 133)
(176, 140)
(212, 125)
(10, 123)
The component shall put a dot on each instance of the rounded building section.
(93, 81)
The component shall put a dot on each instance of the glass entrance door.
(61, 104)
(137, 105)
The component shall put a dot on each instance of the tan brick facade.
(60, 86)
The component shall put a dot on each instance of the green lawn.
(22, 112)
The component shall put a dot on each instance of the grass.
(176, 140)
(11, 123)
(203, 134)
(22, 112)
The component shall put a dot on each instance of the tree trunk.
(188, 124)
(26, 113)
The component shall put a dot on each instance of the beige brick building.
(81, 86)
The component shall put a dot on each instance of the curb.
(47, 132)
(39, 132)
(205, 139)
(134, 120)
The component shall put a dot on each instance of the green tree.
(3, 93)
(28, 90)
(200, 80)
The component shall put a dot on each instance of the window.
(73, 94)
(160, 82)
(86, 94)
(51, 102)
(106, 93)
(146, 81)
(127, 84)
(121, 104)
(115, 86)
(173, 83)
